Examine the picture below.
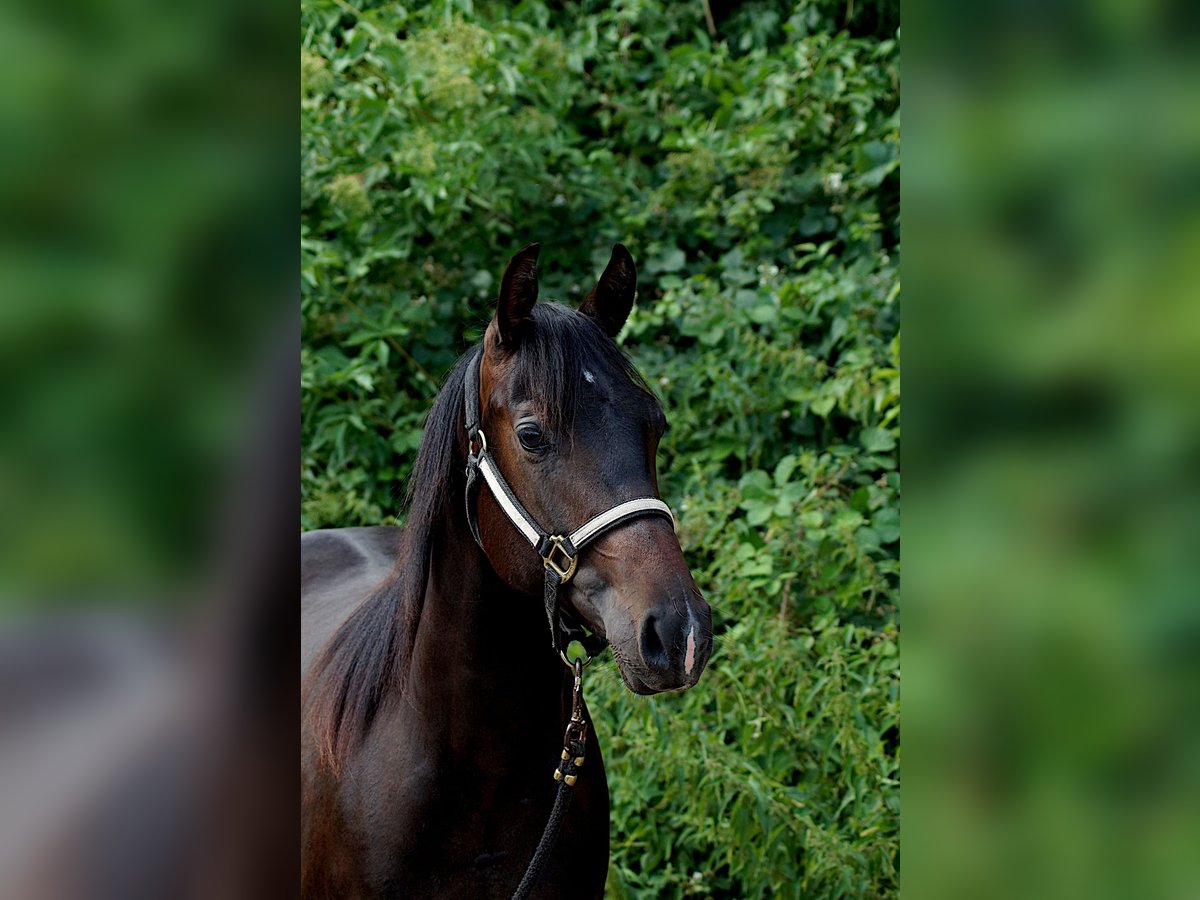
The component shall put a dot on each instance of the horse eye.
(531, 437)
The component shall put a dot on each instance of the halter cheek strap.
(559, 553)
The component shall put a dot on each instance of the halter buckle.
(548, 562)
(482, 438)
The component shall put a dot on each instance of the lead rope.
(567, 773)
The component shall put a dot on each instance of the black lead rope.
(560, 555)
(574, 746)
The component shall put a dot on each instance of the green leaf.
(877, 440)
(764, 314)
(671, 261)
(784, 468)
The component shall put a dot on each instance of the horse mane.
(367, 657)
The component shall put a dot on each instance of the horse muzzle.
(668, 649)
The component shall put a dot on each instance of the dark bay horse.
(433, 705)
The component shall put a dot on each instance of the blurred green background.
(1052, 521)
(143, 268)
(754, 175)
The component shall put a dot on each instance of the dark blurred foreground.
(1051, 663)
(148, 423)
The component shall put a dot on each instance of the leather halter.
(559, 553)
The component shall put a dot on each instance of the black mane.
(368, 656)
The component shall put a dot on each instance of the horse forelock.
(563, 350)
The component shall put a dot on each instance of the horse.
(433, 706)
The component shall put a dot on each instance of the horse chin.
(629, 674)
(635, 684)
(639, 686)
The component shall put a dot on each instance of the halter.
(559, 553)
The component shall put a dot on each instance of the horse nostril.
(654, 650)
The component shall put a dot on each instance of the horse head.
(575, 432)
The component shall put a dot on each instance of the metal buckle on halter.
(564, 575)
(482, 443)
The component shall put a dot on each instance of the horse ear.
(610, 301)
(518, 293)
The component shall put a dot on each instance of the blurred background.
(147, 431)
(1052, 521)
(747, 154)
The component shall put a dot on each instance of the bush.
(755, 178)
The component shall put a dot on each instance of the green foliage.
(755, 179)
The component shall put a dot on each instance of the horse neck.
(482, 661)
